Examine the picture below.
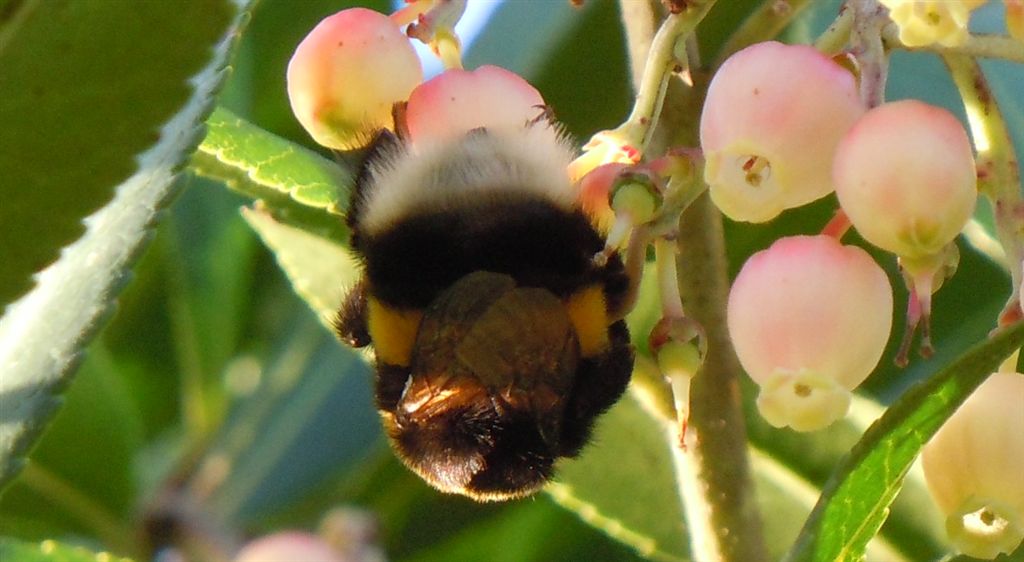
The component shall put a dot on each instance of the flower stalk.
(713, 474)
(998, 172)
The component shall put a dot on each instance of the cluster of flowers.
(782, 126)
(809, 312)
(347, 75)
(810, 317)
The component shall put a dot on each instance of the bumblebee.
(498, 337)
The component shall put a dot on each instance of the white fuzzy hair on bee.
(431, 177)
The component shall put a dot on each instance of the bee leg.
(600, 382)
(350, 323)
(390, 385)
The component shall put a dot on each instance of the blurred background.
(215, 377)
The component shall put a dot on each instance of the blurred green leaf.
(311, 418)
(527, 531)
(297, 185)
(1015, 556)
(43, 334)
(549, 26)
(12, 550)
(856, 500)
(86, 88)
(592, 47)
(208, 290)
(623, 483)
(319, 269)
(720, 22)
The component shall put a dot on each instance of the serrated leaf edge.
(223, 118)
(43, 333)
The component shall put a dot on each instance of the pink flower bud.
(1015, 19)
(594, 190)
(772, 119)
(346, 75)
(288, 545)
(809, 319)
(905, 176)
(923, 22)
(974, 467)
(458, 101)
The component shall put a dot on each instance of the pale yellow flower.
(924, 22)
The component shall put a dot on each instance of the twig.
(998, 173)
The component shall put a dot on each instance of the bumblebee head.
(492, 366)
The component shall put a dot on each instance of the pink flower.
(458, 101)
(347, 74)
(905, 177)
(809, 319)
(771, 122)
(288, 545)
(973, 466)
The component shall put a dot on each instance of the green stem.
(720, 505)
(713, 474)
(661, 64)
(837, 35)
(998, 173)
(764, 23)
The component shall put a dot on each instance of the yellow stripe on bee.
(393, 331)
(589, 316)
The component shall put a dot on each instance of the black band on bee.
(600, 382)
(507, 234)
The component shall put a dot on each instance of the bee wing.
(524, 340)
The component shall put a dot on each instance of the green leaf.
(76, 486)
(86, 88)
(319, 269)
(297, 185)
(43, 334)
(623, 483)
(311, 417)
(856, 499)
(14, 550)
(591, 48)
(536, 530)
(786, 499)
(792, 467)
